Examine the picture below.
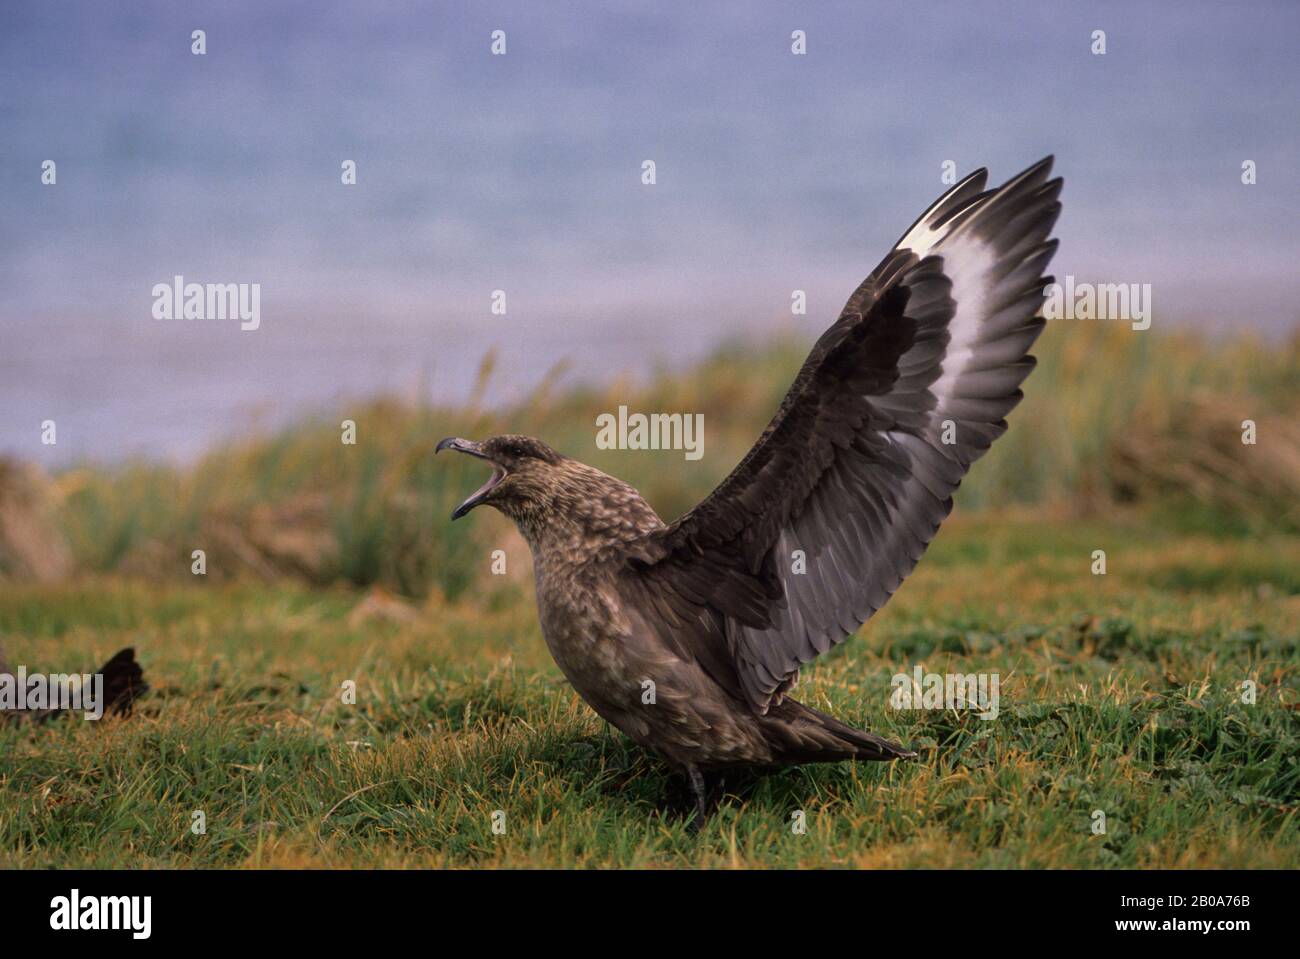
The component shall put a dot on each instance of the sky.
(523, 173)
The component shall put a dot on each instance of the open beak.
(473, 449)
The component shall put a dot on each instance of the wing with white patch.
(857, 469)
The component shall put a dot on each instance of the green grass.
(1120, 693)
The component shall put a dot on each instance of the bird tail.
(123, 682)
(811, 736)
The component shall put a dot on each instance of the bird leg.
(696, 780)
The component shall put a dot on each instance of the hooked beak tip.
(461, 445)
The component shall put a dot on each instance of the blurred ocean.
(775, 172)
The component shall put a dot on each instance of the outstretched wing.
(857, 469)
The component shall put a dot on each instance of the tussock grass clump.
(1111, 417)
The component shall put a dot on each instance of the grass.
(1120, 693)
(330, 563)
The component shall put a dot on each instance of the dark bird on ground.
(123, 685)
(857, 469)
